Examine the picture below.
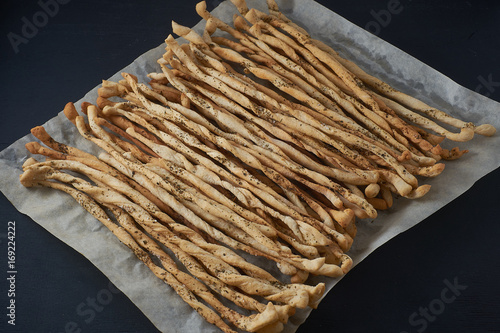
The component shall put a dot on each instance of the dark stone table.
(440, 276)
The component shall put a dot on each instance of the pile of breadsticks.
(255, 143)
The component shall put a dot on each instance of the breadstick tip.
(485, 129)
(201, 9)
(70, 112)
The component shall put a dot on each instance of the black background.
(87, 41)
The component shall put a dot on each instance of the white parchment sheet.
(60, 215)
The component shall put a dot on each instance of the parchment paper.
(59, 214)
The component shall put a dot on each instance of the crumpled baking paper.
(58, 213)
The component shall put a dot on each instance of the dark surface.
(87, 41)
